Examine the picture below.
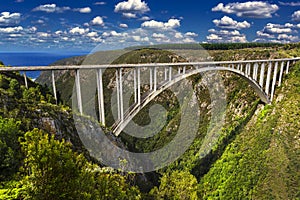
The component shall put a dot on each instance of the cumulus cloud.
(277, 28)
(123, 25)
(158, 35)
(250, 9)
(296, 15)
(228, 23)
(97, 21)
(226, 36)
(92, 34)
(145, 18)
(11, 29)
(83, 10)
(7, 18)
(129, 15)
(51, 8)
(78, 31)
(132, 6)
(191, 34)
(289, 3)
(279, 33)
(172, 23)
(43, 35)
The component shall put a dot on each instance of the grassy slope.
(263, 161)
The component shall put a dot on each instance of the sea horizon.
(31, 58)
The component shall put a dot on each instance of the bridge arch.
(120, 125)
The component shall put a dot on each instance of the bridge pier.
(287, 67)
(155, 78)
(78, 91)
(100, 97)
(274, 81)
(281, 73)
(262, 73)
(138, 85)
(54, 86)
(267, 89)
(170, 73)
(25, 80)
(255, 71)
(135, 85)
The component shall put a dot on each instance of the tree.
(176, 185)
(53, 170)
(10, 156)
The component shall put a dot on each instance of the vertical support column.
(166, 73)
(78, 91)
(184, 68)
(179, 68)
(118, 94)
(53, 85)
(274, 81)
(170, 73)
(268, 78)
(135, 83)
(241, 67)
(100, 97)
(262, 73)
(139, 85)
(287, 67)
(121, 95)
(281, 73)
(248, 69)
(255, 71)
(25, 80)
(151, 78)
(155, 78)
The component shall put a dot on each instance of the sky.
(83, 25)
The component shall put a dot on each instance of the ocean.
(33, 59)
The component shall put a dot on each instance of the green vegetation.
(256, 155)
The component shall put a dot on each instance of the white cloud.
(251, 9)
(7, 18)
(278, 33)
(11, 29)
(51, 8)
(296, 15)
(43, 35)
(262, 34)
(145, 18)
(228, 23)
(277, 28)
(158, 35)
(132, 6)
(77, 30)
(100, 3)
(98, 21)
(191, 34)
(226, 36)
(286, 37)
(178, 35)
(83, 10)
(92, 34)
(289, 3)
(123, 25)
(172, 23)
(129, 15)
(189, 40)
(33, 29)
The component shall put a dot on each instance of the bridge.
(262, 75)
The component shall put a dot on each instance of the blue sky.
(82, 25)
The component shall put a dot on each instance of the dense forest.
(256, 156)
